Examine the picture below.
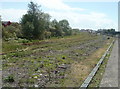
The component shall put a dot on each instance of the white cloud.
(57, 5)
(92, 20)
(59, 10)
(12, 14)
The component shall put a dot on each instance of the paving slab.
(110, 77)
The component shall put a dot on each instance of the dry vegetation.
(57, 62)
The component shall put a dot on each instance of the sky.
(83, 15)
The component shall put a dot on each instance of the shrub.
(9, 78)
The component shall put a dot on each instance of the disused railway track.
(87, 81)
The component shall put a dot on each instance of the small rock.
(35, 77)
(39, 79)
(63, 66)
(36, 85)
(38, 71)
(19, 73)
(41, 74)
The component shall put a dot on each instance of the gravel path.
(110, 77)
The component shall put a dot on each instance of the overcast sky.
(82, 15)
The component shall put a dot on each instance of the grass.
(70, 58)
(80, 70)
(10, 46)
(13, 45)
(0, 45)
(98, 76)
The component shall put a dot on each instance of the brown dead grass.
(80, 70)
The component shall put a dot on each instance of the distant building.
(83, 30)
(86, 30)
(6, 23)
(89, 31)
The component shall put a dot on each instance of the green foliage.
(30, 80)
(18, 54)
(8, 32)
(43, 60)
(34, 22)
(23, 41)
(10, 46)
(75, 31)
(12, 31)
(65, 27)
(55, 28)
(60, 28)
(37, 25)
(9, 78)
(47, 34)
(107, 31)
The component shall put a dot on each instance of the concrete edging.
(95, 69)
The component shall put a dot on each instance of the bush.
(33, 23)
(9, 78)
(10, 32)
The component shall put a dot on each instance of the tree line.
(107, 31)
(36, 24)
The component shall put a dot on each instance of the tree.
(37, 25)
(75, 31)
(0, 28)
(107, 31)
(9, 32)
(46, 17)
(65, 27)
(112, 31)
(55, 28)
(33, 23)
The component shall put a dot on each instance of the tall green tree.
(56, 29)
(33, 23)
(65, 27)
(47, 33)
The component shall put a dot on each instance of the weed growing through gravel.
(44, 62)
